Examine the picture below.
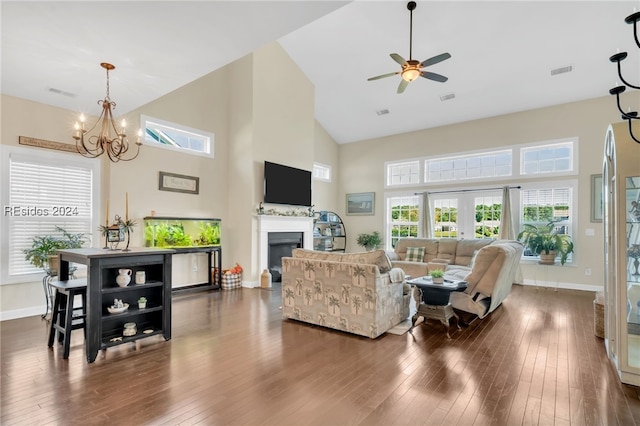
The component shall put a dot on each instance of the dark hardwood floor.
(233, 360)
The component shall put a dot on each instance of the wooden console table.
(104, 329)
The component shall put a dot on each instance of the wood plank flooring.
(233, 361)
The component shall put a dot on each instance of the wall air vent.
(447, 97)
(562, 70)
(382, 111)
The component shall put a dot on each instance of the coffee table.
(435, 300)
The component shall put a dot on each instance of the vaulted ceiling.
(503, 54)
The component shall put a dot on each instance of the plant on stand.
(43, 251)
(369, 241)
(546, 242)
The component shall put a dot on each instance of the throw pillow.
(414, 254)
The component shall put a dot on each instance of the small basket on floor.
(231, 281)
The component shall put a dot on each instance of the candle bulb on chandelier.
(76, 132)
(123, 124)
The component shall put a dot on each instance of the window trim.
(388, 164)
(518, 153)
(387, 218)
(573, 223)
(322, 166)
(143, 125)
(6, 151)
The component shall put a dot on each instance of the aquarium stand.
(214, 261)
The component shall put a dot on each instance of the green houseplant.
(43, 251)
(369, 241)
(546, 242)
(437, 275)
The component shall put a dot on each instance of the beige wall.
(362, 167)
(259, 108)
(325, 151)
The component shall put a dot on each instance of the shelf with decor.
(117, 281)
(329, 232)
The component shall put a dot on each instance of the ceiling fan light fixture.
(412, 69)
(410, 74)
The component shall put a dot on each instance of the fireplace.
(281, 244)
(285, 225)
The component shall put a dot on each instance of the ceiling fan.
(412, 69)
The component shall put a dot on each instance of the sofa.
(488, 266)
(360, 293)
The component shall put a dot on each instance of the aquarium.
(180, 232)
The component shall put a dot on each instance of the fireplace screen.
(281, 244)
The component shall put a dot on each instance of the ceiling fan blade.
(399, 59)
(434, 60)
(403, 85)
(433, 76)
(378, 77)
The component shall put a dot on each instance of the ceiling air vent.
(382, 111)
(562, 70)
(62, 92)
(447, 97)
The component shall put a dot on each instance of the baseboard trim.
(564, 286)
(22, 313)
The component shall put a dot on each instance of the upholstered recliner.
(488, 266)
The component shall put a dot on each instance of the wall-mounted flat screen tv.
(286, 185)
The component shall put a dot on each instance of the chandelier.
(617, 58)
(117, 146)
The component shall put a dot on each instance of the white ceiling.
(502, 54)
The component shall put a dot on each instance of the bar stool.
(64, 317)
(46, 281)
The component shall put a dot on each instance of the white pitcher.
(124, 277)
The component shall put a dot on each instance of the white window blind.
(44, 194)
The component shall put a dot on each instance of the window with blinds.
(44, 192)
(544, 205)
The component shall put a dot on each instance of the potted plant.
(43, 251)
(142, 302)
(546, 242)
(437, 275)
(369, 241)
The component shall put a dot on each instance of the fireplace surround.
(281, 225)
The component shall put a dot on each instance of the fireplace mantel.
(267, 223)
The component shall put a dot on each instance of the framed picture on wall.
(178, 183)
(596, 198)
(361, 203)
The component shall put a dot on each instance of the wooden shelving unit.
(104, 329)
